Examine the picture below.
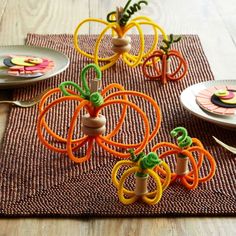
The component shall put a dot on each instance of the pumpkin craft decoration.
(184, 154)
(120, 24)
(93, 100)
(157, 66)
(141, 166)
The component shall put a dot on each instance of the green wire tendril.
(183, 139)
(128, 11)
(145, 161)
(95, 98)
(168, 43)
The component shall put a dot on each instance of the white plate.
(61, 63)
(188, 100)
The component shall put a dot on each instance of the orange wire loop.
(185, 158)
(94, 118)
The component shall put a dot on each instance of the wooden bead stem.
(182, 166)
(121, 45)
(168, 71)
(119, 14)
(93, 126)
(96, 85)
(141, 185)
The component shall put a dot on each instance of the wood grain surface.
(213, 20)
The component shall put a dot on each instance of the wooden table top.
(215, 23)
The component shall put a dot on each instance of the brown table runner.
(36, 181)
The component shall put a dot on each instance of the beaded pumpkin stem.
(93, 100)
(185, 158)
(141, 166)
(94, 97)
(120, 24)
(165, 55)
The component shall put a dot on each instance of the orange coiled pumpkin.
(93, 122)
(155, 71)
(184, 154)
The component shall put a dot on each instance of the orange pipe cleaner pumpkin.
(165, 56)
(184, 155)
(93, 122)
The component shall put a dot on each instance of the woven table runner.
(35, 181)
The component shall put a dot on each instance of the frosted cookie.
(27, 66)
(220, 100)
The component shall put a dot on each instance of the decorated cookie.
(27, 66)
(220, 100)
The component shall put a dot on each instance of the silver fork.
(229, 148)
(27, 103)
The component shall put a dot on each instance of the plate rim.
(203, 116)
(27, 82)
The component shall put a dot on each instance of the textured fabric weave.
(37, 181)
